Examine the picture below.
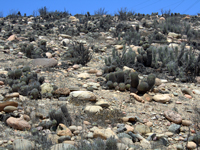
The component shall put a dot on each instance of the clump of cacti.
(25, 82)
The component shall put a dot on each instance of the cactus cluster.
(61, 116)
(122, 81)
(25, 82)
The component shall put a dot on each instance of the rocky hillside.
(101, 82)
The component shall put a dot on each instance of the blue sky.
(190, 7)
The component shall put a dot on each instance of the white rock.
(93, 109)
(163, 98)
(83, 95)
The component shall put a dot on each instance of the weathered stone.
(104, 133)
(191, 145)
(173, 116)
(8, 103)
(11, 95)
(93, 109)
(10, 109)
(174, 128)
(62, 130)
(186, 122)
(46, 88)
(62, 91)
(83, 95)
(163, 98)
(18, 123)
(142, 129)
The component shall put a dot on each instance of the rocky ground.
(165, 118)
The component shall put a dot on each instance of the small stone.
(174, 128)
(92, 71)
(62, 130)
(9, 109)
(188, 96)
(142, 129)
(8, 103)
(157, 82)
(62, 91)
(83, 95)
(149, 124)
(186, 122)
(196, 92)
(12, 37)
(99, 73)
(76, 66)
(44, 62)
(93, 109)
(11, 95)
(147, 97)
(104, 133)
(18, 123)
(186, 91)
(163, 98)
(1, 83)
(49, 55)
(118, 46)
(102, 103)
(191, 145)
(83, 75)
(173, 116)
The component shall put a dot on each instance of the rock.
(102, 103)
(157, 82)
(49, 55)
(10, 109)
(149, 124)
(122, 146)
(63, 146)
(62, 130)
(8, 103)
(76, 66)
(93, 109)
(173, 116)
(186, 122)
(18, 123)
(138, 98)
(126, 141)
(92, 71)
(83, 95)
(188, 96)
(142, 129)
(162, 98)
(44, 62)
(11, 95)
(99, 73)
(129, 128)
(66, 41)
(118, 46)
(12, 37)
(186, 91)
(174, 35)
(104, 133)
(191, 145)
(46, 88)
(65, 36)
(174, 128)
(83, 75)
(196, 92)
(1, 83)
(62, 91)
(23, 144)
(147, 97)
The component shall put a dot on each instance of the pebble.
(191, 145)
(173, 116)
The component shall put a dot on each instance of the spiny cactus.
(143, 87)
(110, 84)
(122, 86)
(111, 144)
(134, 79)
(120, 76)
(112, 77)
(151, 80)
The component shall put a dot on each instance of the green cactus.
(26, 69)
(34, 94)
(110, 84)
(106, 69)
(134, 79)
(128, 86)
(18, 73)
(115, 84)
(122, 86)
(151, 80)
(11, 74)
(112, 77)
(143, 87)
(120, 76)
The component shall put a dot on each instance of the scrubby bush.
(100, 12)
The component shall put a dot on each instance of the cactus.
(110, 84)
(151, 80)
(106, 69)
(26, 69)
(112, 77)
(115, 84)
(128, 86)
(120, 76)
(18, 73)
(122, 86)
(111, 144)
(134, 79)
(143, 87)
(41, 79)
(34, 94)
(149, 57)
(24, 90)
(11, 74)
